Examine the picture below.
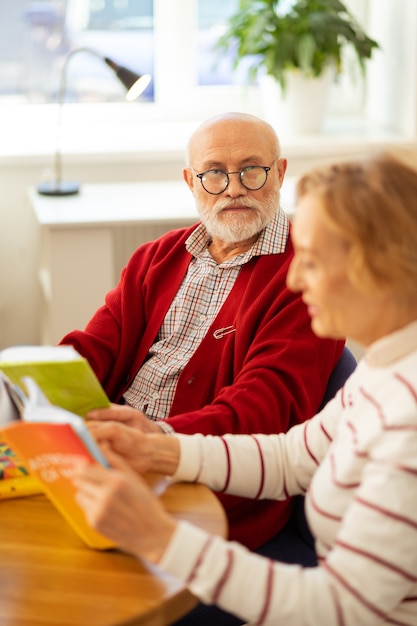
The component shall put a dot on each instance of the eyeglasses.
(252, 177)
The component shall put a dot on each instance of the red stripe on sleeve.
(199, 560)
(387, 512)
(354, 592)
(306, 444)
(407, 384)
(268, 594)
(228, 472)
(370, 556)
(262, 464)
(225, 576)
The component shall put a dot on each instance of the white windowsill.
(124, 131)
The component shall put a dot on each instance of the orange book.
(50, 441)
(15, 480)
(50, 452)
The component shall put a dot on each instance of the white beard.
(232, 228)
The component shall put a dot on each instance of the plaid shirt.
(192, 312)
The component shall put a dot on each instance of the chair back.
(344, 368)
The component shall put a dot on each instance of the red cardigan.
(266, 376)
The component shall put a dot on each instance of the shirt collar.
(272, 239)
(393, 347)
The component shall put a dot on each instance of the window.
(124, 30)
(120, 29)
(214, 69)
(172, 40)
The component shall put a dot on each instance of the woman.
(355, 237)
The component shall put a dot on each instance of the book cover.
(50, 442)
(64, 376)
(50, 452)
(15, 480)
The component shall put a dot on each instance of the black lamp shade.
(134, 83)
(126, 76)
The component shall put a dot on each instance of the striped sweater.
(357, 463)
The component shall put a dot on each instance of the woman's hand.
(119, 504)
(143, 453)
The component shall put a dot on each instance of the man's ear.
(281, 164)
(187, 174)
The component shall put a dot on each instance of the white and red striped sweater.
(357, 461)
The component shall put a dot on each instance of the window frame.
(387, 113)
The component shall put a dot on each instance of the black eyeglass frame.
(227, 175)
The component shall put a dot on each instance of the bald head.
(233, 132)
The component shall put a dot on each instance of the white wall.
(20, 235)
(392, 80)
(20, 295)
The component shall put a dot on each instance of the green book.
(64, 376)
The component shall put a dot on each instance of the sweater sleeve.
(368, 575)
(246, 584)
(276, 466)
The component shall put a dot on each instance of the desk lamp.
(135, 84)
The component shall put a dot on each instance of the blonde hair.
(372, 204)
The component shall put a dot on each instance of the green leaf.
(305, 53)
(305, 34)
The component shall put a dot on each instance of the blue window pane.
(214, 67)
(37, 35)
(120, 14)
(119, 29)
(45, 31)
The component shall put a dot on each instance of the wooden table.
(49, 577)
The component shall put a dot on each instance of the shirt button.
(202, 318)
(155, 395)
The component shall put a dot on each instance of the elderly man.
(201, 334)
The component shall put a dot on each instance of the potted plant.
(290, 40)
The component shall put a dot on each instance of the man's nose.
(235, 187)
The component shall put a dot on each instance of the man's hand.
(142, 452)
(126, 415)
(119, 504)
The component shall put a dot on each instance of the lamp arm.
(61, 99)
(134, 83)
